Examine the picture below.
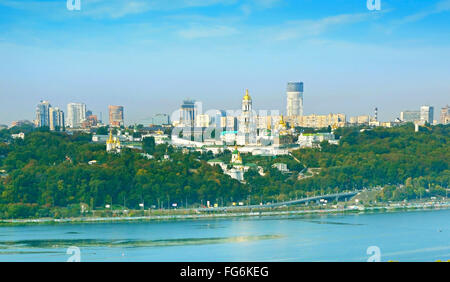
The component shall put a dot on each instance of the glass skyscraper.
(427, 114)
(43, 114)
(410, 116)
(188, 113)
(76, 114)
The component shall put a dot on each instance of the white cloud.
(443, 6)
(121, 8)
(115, 10)
(308, 28)
(196, 32)
(112, 8)
(440, 7)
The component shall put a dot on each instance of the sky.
(150, 55)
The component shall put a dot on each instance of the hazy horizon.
(150, 55)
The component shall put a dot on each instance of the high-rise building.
(91, 121)
(56, 119)
(410, 116)
(22, 123)
(116, 116)
(363, 119)
(320, 121)
(43, 114)
(445, 115)
(76, 114)
(294, 99)
(202, 120)
(426, 114)
(231, 123)
(220, 118)
(188, 113)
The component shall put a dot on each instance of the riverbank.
(207, 214)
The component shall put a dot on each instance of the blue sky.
(149, 55)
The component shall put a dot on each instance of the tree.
(102, 130)
(148, 145)
(49, 175)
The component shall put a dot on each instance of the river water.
(399, 236)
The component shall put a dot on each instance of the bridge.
(335, 196)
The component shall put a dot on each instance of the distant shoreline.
(349, 210)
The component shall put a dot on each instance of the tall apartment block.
(76, 114)
(294, 103)
(116, 116)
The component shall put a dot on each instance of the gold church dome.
(247, 97)
(110, 139)
(282, 121)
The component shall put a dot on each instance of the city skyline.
(192, 114)
(239, 132)
(175, 114)
(150, 56)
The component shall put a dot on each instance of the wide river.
(399, 236)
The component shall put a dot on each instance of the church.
(236, 158)
(247, 132)
(113, 144)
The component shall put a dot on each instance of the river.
(399, 236)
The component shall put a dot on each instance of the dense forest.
(49, 170)
(381, 156)
(48, 173)
(409, 164)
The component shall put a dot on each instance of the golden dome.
(247, 97)
(110, 140)
(282, 121)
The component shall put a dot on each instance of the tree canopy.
(47, 170)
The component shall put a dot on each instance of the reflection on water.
(209, 226)
(27, 252)
(332, 222)
(319, 219)
(61, 243)
(401, 236)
